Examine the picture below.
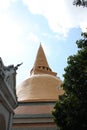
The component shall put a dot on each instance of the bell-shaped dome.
(39, 88)
(43, 83)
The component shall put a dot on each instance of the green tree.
(80, 3)
(70, 111)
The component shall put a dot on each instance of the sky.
(24, 24)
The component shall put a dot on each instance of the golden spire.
(41, 65)
(41, 58)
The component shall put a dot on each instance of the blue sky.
(26, 23)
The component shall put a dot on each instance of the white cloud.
(83, 25)
(33, 38)
(4, 4)
(61, 15)
(10, 33)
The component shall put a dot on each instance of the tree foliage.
(70, 111)
(80, 3)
